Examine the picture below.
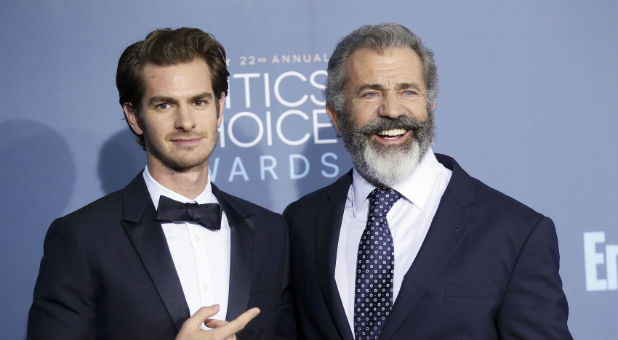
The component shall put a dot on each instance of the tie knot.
(381, 200)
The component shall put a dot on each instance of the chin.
(185, 164)
(387, 166)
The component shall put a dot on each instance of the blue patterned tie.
(373, 298)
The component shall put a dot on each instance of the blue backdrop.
(528, 104)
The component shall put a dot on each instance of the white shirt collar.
(416, 187)
(156, 189)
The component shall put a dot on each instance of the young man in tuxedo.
(137, 263)
(407, 245)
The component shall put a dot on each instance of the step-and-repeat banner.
(528, 104)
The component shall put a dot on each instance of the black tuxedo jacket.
(107, 271)
(488, 268)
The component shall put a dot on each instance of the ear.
(221, 107)
(333, 117)
(130, 114)
(433, 105)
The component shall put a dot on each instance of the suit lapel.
(148, 239)
(448, 228)
(241, 253)
(328, 222)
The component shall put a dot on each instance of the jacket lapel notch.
(147, 237)
(241, 253)
(327, 239)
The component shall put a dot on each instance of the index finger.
(241, 321)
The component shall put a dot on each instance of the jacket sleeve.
(63, 303)
(534, 305)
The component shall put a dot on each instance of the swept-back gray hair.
(378, 38)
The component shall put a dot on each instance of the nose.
(184, 119)
(390, 107)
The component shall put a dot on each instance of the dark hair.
(168, 46)
(378, 38)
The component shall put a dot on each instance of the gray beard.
(384, 165)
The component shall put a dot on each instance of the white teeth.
(392, 132)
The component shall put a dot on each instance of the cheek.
(362, 113)
(209, 124)
(420, 108)
(212, 122)
(420, 113)
(156, 129)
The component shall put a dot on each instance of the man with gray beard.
(407, 245)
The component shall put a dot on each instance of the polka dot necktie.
(373, 297)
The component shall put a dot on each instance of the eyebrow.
(399, 87)
(370, 87)
(205, 95)
(414, 86)
(158, 99)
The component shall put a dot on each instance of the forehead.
(177, 79)
(393, 65)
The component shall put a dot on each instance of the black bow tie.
(208, 215)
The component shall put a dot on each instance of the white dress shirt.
(201, 256)
(409, 220)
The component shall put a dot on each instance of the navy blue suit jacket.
(107, 271)
(488, 268)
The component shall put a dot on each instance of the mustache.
(186, 135)
(383, 123)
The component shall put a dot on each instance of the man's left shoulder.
(492, 200)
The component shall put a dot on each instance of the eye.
(200, 102)
(369, 94)
(410, 93)
(163, 106)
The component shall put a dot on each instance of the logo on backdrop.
(600, 261)
(275, 123)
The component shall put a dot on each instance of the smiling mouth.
(391, 133)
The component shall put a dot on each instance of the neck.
(189, 183)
